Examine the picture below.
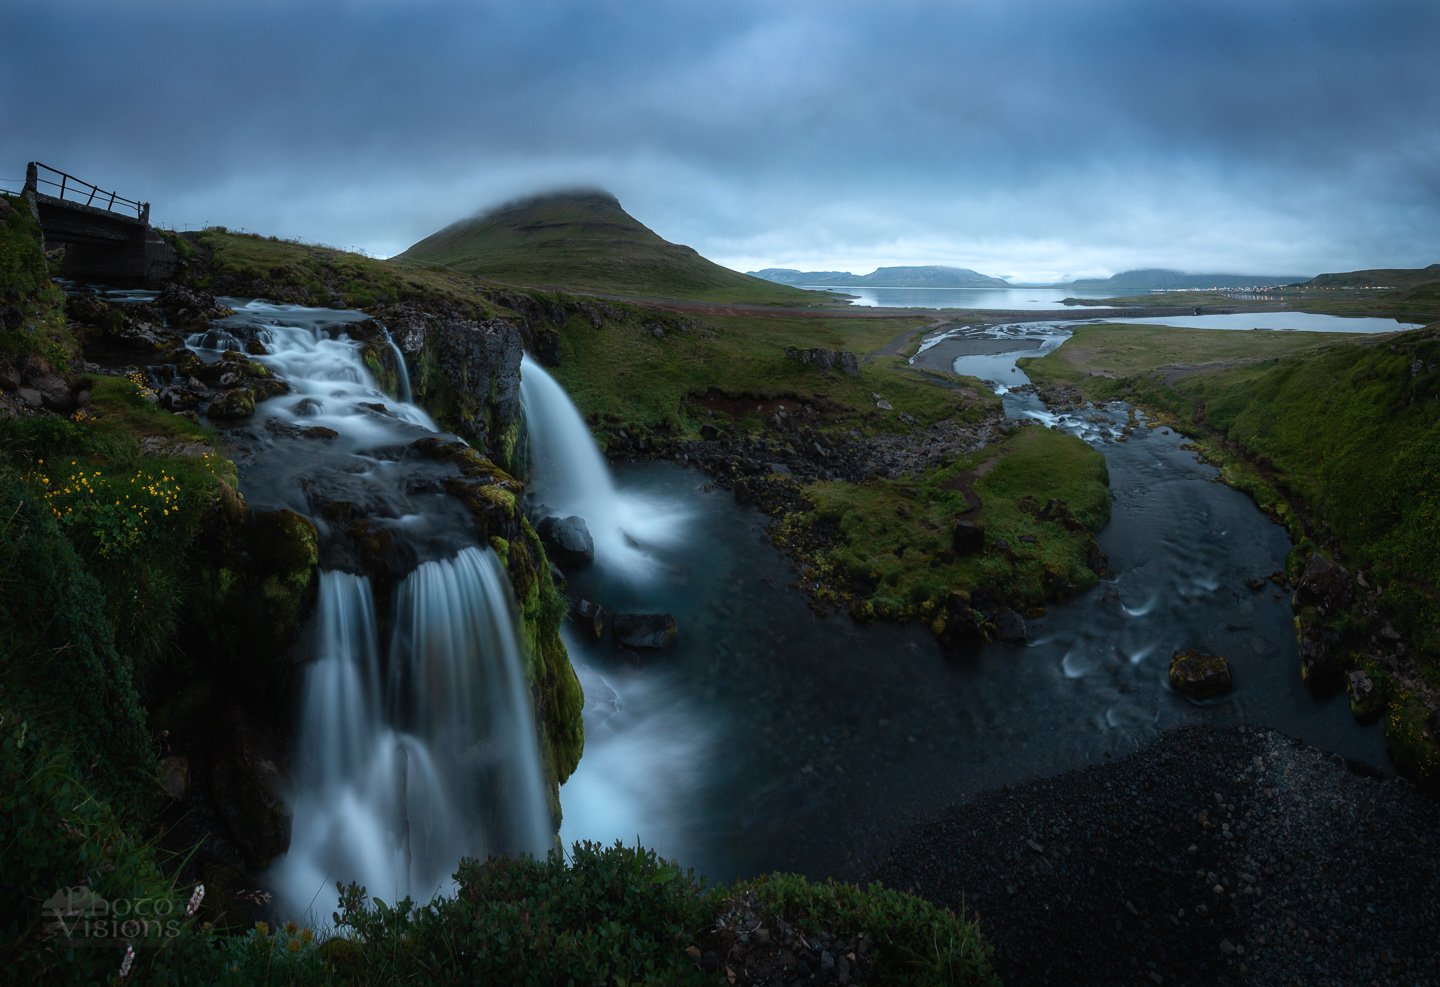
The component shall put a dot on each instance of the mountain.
(1388, 277)
(1151, 279)
(584, 240)
(931, 276)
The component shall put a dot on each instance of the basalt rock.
(189, 307)
(1199, 675)
(967, 537)
(1366, 701)
(1010, 626)
(821, 359)
(232, 405)
(590, 617)
(567, 540)
(644, 631)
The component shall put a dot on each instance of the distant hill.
(583, 240)
(885, 277)
(1385, 277)
(1152, 279)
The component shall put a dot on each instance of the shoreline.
(1212, 855)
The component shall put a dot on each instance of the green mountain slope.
(583, 240)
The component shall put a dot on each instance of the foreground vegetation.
(1336, 436)
(130, 574)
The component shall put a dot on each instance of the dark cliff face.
(465, 372)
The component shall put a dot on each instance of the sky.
(1035, 140)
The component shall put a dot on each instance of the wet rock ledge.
(1212, 856)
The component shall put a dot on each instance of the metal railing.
(68, 188)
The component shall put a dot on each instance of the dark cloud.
(1014, 136)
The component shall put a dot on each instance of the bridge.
(105, 237)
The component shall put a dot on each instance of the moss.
(559, 699)
(1413, 738)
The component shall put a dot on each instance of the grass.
(1104, 359)
(624, 377)
(244, 263)
(584, 241)
(891, 552)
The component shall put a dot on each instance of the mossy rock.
(1199, 675)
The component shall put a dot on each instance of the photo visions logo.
(80, 917)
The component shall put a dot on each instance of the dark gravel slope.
(1234, 856)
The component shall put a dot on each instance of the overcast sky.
(1025, 139)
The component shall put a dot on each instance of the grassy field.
(1106, 359)
(892, 555)
(584, 241)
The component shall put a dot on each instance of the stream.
(771, 738)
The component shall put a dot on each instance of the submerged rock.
(1010, 626)
(648, 631)
(591, 618)
(1199, 675)
(567, 540)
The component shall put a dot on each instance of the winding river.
(774, 739)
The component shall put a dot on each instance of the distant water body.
(1041, 299)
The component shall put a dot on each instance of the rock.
(743, 493)
(959, 627)
(1322, 658)
(232, 405)
(1010, 626)
(648, 631)
(591, 618)
(1199, 675)
(826, 359)
(249, 793)
(967, 537)
(308, 407)
(187, 307)
(567, 540)
(709, 431)
(1366, 701)
(174, 398)
(1324, 584)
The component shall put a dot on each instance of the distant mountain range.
(1152, 279)
(931, 276)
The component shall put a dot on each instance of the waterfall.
(395, 783)
(423, 750)
(402, 372)
(569, 476)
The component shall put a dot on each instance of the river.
(771, 738)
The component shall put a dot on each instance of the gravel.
(1213, 856)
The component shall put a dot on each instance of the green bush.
(916, 942)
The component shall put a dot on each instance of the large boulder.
(1199, 675)
(567, 540)
(231, 405)
(644, 631)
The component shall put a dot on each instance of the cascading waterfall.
(422, 752)
(402, 372)
(569, 476)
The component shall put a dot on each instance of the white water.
(568, 476)
(418, 754)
